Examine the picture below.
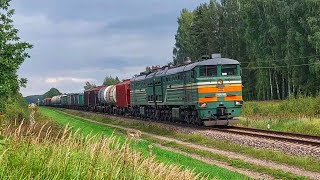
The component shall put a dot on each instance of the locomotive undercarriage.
(164, 113)
(187, 115)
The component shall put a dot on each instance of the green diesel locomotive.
(207, 92)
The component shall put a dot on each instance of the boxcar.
(46, 102)
(64, 100)
(91, 98)
(123, 97)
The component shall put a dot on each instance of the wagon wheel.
(162, 116)
(198, 121)
(187, 119)
(167, 117)
(170, 117)
(193, 119)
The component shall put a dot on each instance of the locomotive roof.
(166, 71)
(138, 78)
(215, 61)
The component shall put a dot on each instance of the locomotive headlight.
(238, 103)
(220, 82)
(203, 105)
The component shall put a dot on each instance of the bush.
(16, 109)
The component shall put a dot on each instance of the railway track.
(308, 141)
(275, 135)
(298, 139)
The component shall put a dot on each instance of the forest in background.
(277, 43)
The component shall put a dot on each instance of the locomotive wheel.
(193, 119)
(170, 118)
(187, 119)
(199, 122)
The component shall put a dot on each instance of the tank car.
(107, 99)
(56, 100)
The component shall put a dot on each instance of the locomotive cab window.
(208, 71)
(229, 70)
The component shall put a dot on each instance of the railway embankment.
(273, 163)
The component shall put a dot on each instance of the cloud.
(66, 79)
(77, 41)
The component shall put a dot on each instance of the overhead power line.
(276, 60)
(275, 67)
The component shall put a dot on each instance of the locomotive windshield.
(229, 70)
(208, 71)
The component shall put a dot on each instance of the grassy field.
(70, 155)
(142, 146)
(301, 115)
(301, 162)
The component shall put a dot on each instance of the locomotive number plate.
(221, 94)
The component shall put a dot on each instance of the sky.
(79, 40)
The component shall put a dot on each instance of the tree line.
(108, 80)
(276, 41)
(12, 55)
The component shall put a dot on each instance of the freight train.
(207, 92)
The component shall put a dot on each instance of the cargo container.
(123, 94)
(64, 100)
(46, 102)
(91, 97)
(73, 99)
(81, 99)
(69, 97)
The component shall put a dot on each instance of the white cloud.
(56, 80)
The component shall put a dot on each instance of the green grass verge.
(160, 154)
(310, 126)
(306, 163)
(232, 162)
(300, 115)
(292, 107)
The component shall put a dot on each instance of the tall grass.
(290, 108)
(70, 155)
(300, 115)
